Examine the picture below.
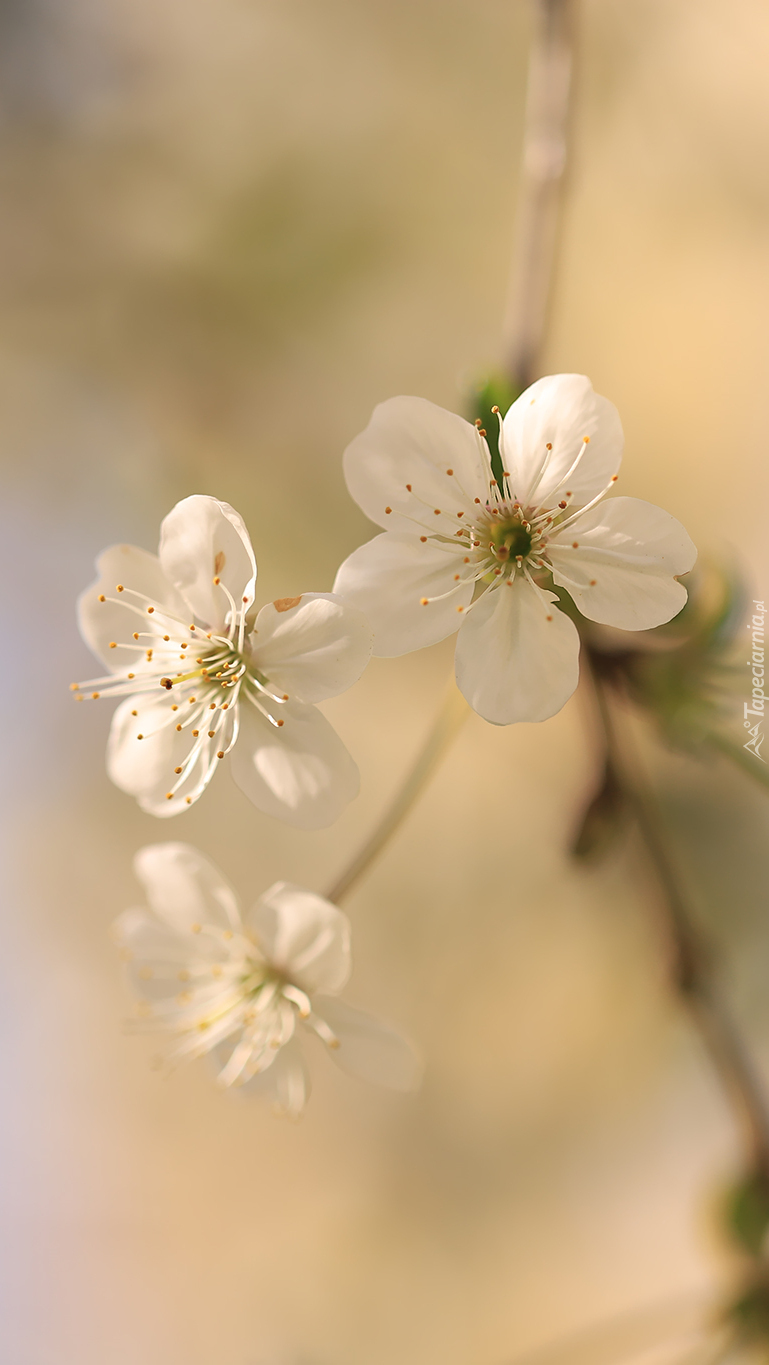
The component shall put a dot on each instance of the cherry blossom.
(462, 551)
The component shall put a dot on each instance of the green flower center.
(510, 540)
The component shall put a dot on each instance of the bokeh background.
(229, 227)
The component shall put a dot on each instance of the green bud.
(494, 391)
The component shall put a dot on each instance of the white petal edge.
(184, 888)
(621, 572)
(304, 936)
(412, 441)
(300, 773)
(390, 575)
(116, 620)
(202, 539)
(561, 409)
(517, 656)
(312, 647)
(146, 768)
(369, 1049)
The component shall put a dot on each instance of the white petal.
(368, 1048)
(388, 577)
(304, 936)
(301, 773)
(621, 572)
(561, 409)
(411, 441)
(517, 655)
(104, 622)
(202, 539)
(312, 647)
(145, 768)
(286, 1082)
(184, 888)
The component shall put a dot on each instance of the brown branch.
(690, 959)
(545, 145)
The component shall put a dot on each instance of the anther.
(119, 588)
(113, 644)
(211, 734)
(478, 501)
(449, 471)
(188, 799)
(460, 608)
(74, 687)
(178, 727)
(192, 699)
(136, 634)
(614, 478)
(194, 627)
(423, 601)
(195, 734)
(225, 705)
(408, 487)
(217, 581)
(140, 736)
(460, 514)
(423, 539)
(169, 796)
(466, 559)
(150, 610)
(285, 697)
(478, 423)
(388, 510)
(177, 770)
(495, 410)
(212, 706)
(102, 598)
(281, 722)
(456, 577)
(134, 713)
(586, 440)
(174, 707)
(184, 644)
(481, 431)
(166, 683)
(220, 753)
(593, 582)
(166, 637)
(548, 618)
(95, 696)
(437, 511)
(575, 545)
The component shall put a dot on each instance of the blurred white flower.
(244, 987)
(199, 670)
(461, 550)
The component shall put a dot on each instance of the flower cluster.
(510, 560)
(244, 987)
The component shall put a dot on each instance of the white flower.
(199, 670)
(245, 988)
(460, 550)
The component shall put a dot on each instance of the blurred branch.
(689, 958)
(446, 725)
(545, 143)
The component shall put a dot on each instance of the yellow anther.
(113, 644)
(102, 598)
(119, 588)
(150, 610)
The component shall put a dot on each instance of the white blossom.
(247, 988)
(198, 669)
(463, 551)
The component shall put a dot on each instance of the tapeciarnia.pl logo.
(756, 706)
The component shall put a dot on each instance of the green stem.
(445, 727)
(689, 955)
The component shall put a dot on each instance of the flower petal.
(286, 1081)
(301, 773)
(304, 936)
(618, 562)
(388, 577)
(146, 768)
(312, 647)
(368, 1048)
(412, 441)
(184, 889)
(561, 409)
(202, 539)
(517, 655)
(116, 620)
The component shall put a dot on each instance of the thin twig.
(446, 725)
(689, 956)
(545, 145)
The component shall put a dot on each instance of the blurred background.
(229, 228)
